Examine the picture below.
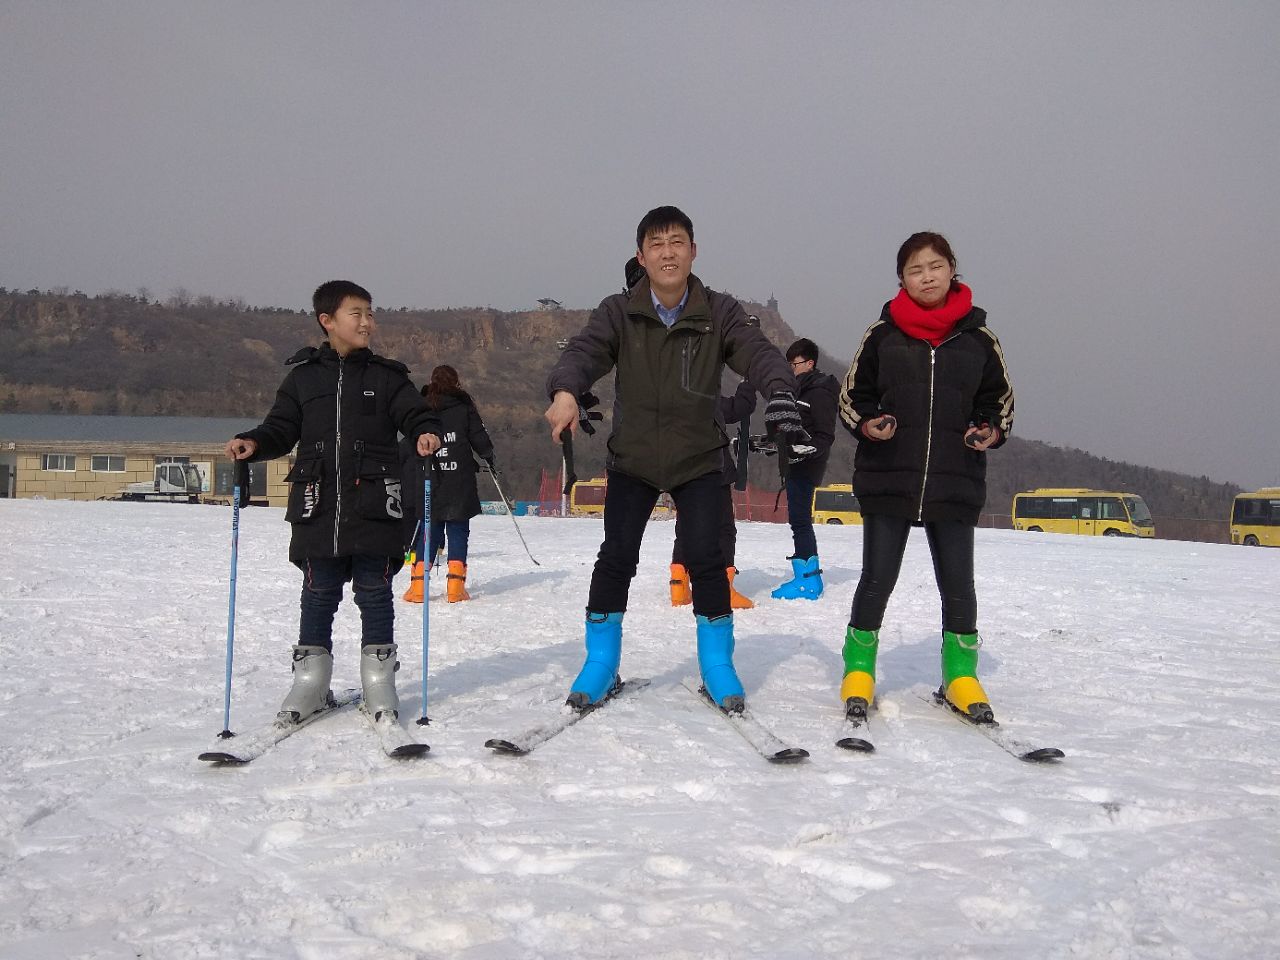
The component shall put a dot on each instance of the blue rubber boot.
(599, 673)
(715, 663)
(806, 584)
(791, 588)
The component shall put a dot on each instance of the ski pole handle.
(566, 445)
(242, 480)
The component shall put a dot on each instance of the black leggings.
(884, 540)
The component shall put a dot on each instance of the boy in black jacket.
(342, 405)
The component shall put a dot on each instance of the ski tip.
(1042, 755)
(790, 755)
(856, 744)
(410, 750)
(215, 756)
(505, 746)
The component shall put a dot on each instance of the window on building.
(107, 463)
(62, 462)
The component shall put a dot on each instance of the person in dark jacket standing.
(732, 409)
(342, 405)
(668, 341)
(454, 498)
(926, 397)
(817, 403)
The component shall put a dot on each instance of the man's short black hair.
(329, 296)
(803, 349)
(662, 218)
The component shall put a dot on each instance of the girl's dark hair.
(444, 383)
(925, 240)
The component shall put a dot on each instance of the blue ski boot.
(806, 581)
(599, 674)
(715, 663)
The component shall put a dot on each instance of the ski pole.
(427, 464)
(511, 513)
(240, 492)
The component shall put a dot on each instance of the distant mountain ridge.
(123, 354)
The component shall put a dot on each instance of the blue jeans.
(800, 516)
(456, 532)
(322, 581)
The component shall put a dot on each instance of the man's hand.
(982, 436)
(562, 414)
(881, 428)
(239, 449)
(428, 443)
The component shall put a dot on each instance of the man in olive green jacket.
(669, 340)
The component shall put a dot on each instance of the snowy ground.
(650, 829)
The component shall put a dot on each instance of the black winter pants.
(627, 505)
(728, 532)
(884, 540)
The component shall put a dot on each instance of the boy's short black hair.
(329, 296)
(803, 349)
(662, 218)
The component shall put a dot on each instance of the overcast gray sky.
(1106, 173)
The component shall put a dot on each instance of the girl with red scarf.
(926, 397)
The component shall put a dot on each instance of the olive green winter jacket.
(665, 429)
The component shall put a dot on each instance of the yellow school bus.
(835, 503)
(1103, 513)
(586, 499)
(1255, 518)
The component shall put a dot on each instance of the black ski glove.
(493, 467)
(783, 425)
(586, 414)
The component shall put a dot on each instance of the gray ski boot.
(312, 671)
(378, 666)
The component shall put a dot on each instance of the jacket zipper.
(337, 460)
(928, 439)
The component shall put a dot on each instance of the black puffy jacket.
(925, 471)
(343, 414)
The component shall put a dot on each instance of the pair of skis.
(239, 749)
(766, 743)
(855, 733)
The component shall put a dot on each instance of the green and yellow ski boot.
(960, 687)
(858, 688)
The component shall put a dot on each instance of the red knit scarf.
(933, 325)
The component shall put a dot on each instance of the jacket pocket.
(306, 482)
(378, 494)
